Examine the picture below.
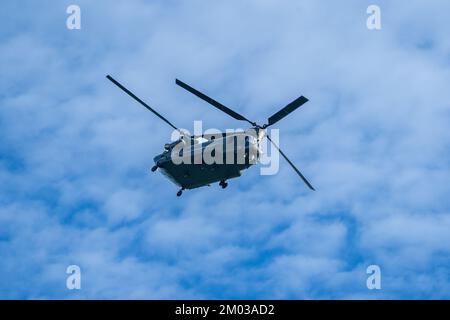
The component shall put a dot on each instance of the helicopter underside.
(191, 176)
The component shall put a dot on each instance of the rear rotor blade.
(131, 94)
(292, 165)
(216, 104)
(287, 110)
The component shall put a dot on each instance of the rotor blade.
(131, 94)
(286, 110)
(292, 165)
(216, 104)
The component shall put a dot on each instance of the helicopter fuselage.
(228, 156)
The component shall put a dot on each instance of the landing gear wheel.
(180, 192)
(154, 168)
(223, 184)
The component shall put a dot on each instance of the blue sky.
(75, 152)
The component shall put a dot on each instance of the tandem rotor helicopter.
(190, 175)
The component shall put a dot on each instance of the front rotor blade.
(131, 94)
(216, 104)
(292, 165)
(286, 110)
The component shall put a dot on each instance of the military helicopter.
(188, 174)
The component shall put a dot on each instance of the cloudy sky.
(75, 152)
